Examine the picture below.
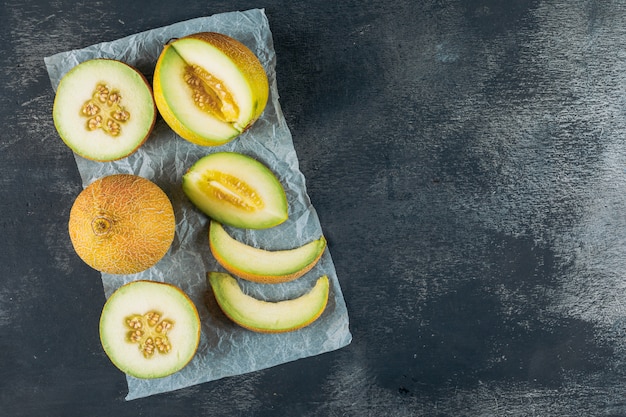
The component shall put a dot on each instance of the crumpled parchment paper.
(225, 349)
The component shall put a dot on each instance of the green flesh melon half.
(236, 190)
(104, 109)
(149, 329)
(268, 316)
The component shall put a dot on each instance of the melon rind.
(141, 219)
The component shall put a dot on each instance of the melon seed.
(149, 332)
(231, 189)
(210, 94)
(104, 111)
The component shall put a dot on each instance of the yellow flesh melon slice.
(236, 190)
(265, 316)
(149, 329)
(258, 265)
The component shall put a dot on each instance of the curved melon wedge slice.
(266, 316)
(259, 265)
(237, 190)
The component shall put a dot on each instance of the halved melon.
(259, 265)
(266, 316)
(236, 190)
(149, 329)
(104, 109)
(209, 87)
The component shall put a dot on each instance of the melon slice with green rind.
(209, 87)
(236, 190)
(267, 316)
(259, 265)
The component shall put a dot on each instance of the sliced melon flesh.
(149, 329)
(266, 316)
(209, 87)
(104, 109)
(236, 190)
(259, 265)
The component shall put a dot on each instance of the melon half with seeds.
(104, 109)
(149, 329)
(122, 224)
(236, 190)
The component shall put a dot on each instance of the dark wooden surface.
(467, 160)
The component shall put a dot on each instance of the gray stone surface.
(467, 161)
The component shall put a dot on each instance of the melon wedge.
(149, 329)
(259, 265)
(237, 190)
(266, 316)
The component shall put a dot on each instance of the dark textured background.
(467, 161)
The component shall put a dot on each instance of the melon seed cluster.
(104, 111)
(149, 332)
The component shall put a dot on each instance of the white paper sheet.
(225, 349)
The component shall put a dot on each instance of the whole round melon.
(122, 224)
